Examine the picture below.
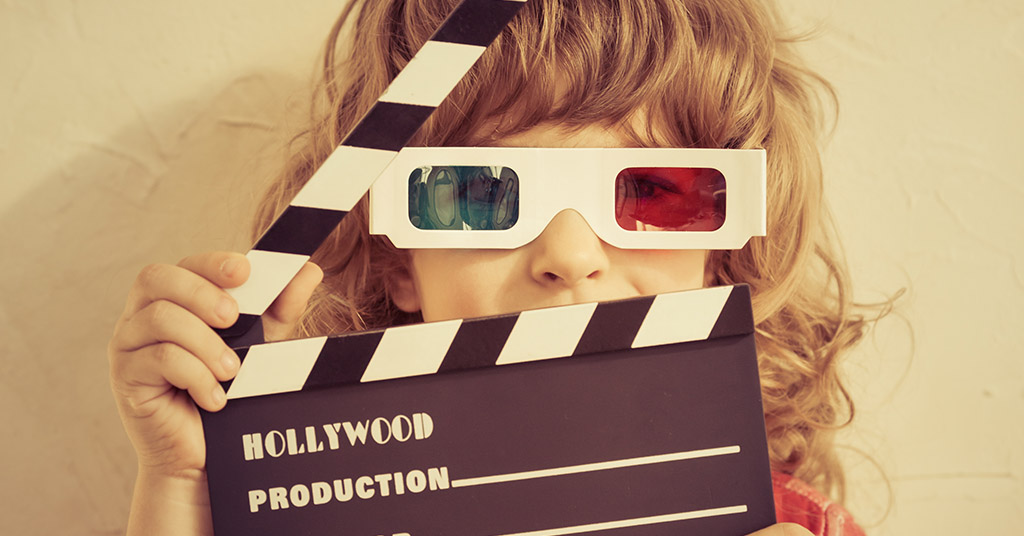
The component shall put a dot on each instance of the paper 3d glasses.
(635, 198)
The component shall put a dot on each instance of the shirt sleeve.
(800, 503)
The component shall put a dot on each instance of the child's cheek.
(462, 283)
(655, 271)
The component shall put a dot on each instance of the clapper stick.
(540, 334)
(363, 155)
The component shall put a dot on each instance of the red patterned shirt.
(798, 502)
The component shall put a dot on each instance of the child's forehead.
(561, 134)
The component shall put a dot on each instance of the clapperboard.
(641, 416)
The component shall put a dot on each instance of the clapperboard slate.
(638, 417)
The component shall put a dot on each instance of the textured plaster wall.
(139, 131)
(132, 132)
(927, 183)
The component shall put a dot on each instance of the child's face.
(566, 264)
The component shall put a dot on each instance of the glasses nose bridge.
(571, 183)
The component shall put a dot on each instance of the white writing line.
(598, 466)
(594, 527)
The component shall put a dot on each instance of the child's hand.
(783, 529)
(164, 354)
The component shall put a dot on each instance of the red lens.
(670, 199)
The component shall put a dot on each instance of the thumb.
(280, 319)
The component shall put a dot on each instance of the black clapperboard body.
(637, 417)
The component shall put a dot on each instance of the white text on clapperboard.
(334, 436)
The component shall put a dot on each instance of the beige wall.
(115, 113)
(927, 182)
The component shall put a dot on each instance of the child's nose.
(568, 252)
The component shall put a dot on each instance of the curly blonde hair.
(700, 73)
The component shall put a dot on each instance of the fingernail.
(217, 396)
(229, 361)
(229, 266)
(226, 309)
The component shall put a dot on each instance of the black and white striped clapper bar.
(639, 417)
(366, 151)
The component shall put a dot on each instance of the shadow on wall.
(71, 249)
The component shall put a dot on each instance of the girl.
(601, 73)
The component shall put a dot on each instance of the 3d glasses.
(504, 197)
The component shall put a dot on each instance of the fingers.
(152, 368)
(195, 284)
(165, 322)
(280, 319)
(223, 268)
(164, 340)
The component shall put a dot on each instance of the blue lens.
(477, 198)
